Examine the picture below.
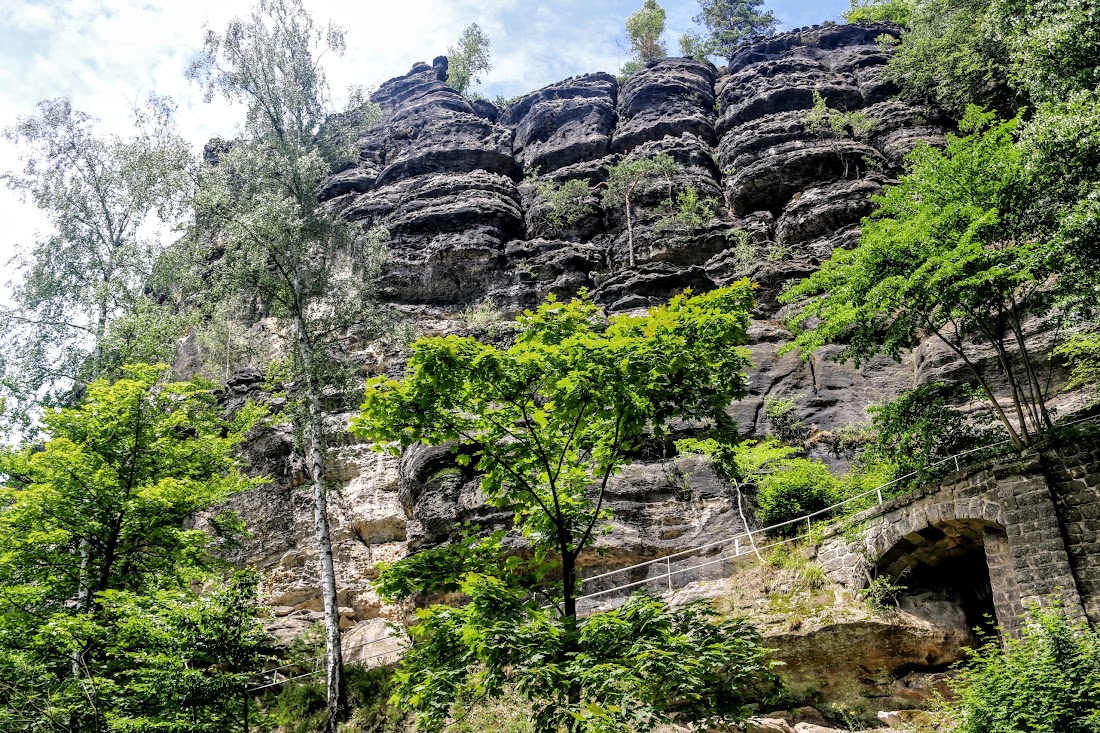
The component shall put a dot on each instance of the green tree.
(644, 30)
(922, 427)
(547, 422)
(469, 60)
(80, 308)
(953, 55)
(947, 254)
(1047, 679)
(269, 240)
(92, 522)
(729, 24)
(879, 11)
(628, 180)
(562, 205)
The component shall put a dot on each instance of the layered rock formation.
(454, 182)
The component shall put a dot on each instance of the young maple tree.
(547, 422)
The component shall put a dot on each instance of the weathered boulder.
(669, 97)
(565, 123)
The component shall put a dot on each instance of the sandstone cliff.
(455, 183)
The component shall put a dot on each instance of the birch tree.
(628, 180)
(80, 303)
(274, 243)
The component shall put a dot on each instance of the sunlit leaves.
(546, 422)
(952, 251)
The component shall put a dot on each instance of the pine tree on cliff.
(729, 24)
(273, 242)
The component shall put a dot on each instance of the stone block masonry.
(1035, 517)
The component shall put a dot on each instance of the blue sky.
(107, 54)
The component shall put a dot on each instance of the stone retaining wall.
(1035, 516)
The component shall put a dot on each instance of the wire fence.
(743, 544)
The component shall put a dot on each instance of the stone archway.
(965, 558)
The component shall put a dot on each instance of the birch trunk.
(336, 696)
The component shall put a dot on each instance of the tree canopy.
(83, 288)
(268, 238)
(92, 526)
(547, 422)
(949, 252)
(644, 29)
(729, 24)
(469, 60)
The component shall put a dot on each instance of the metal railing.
(737, 540)
(741, 550)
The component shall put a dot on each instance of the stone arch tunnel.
(1001, 535)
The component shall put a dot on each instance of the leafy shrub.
(1081, 353)
(796, 486)
(785, 426)
(691, 210)
(745, 251)
(882, 592)
(921, 428)
(1047, 680)
(299, 707)
(564, 204)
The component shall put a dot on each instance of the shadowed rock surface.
(453, 182)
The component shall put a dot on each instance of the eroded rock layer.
(457, 184)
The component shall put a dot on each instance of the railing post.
(879, 492)
(736, 546)
(957, 469)
(809, 530)
(668, 571)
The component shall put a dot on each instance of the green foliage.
(299, 707)
(107, 199)
(879, 11)
(1047, 679)
(547, 422)
(792, 488)
(882, 592)
(693, 45)
(922, 427)
(565, 204)
(729, 24)
(644, 29)
(947, 253)
(780, 414)
(97, 621)
(469, 60)
(746, 252)
(744, 461)
(1061, 145)
(952, 55)
(628, 180)
(631, 669)
(692, 211)
(271, 241)
(555, 414)
(1051, 45)
(1081, 353)
(440, 570)
(629, 177)
(832, 125)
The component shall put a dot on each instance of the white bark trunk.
(336, 692)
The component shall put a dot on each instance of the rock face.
(454, 183)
